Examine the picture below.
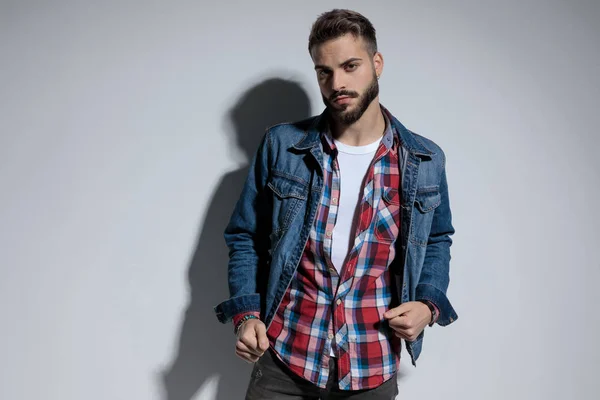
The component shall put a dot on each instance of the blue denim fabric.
(271, 221)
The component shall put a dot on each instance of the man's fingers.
(407, 335)
(248, 357)
(404, 333)
(249, 339)
(241, 346)
(261, 335)
(401, 335)
(400, 322)
(396, 311)
(404, 328)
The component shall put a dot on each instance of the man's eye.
(351, 66)
(323, 74)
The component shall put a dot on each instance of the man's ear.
(378, 63)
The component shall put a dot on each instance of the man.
(339, 243)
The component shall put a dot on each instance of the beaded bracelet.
(241, 321)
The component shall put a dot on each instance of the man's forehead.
(338, 50)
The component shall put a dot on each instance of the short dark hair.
(338, 22)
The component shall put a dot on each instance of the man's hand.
(252, 340)
(408, 319)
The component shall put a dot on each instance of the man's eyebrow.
(348, 61)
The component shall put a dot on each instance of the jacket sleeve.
(244, 237)
(435, 275)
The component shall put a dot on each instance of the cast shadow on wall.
(206, 347)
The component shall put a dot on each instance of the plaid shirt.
(312, 312)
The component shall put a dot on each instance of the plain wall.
(125, 135)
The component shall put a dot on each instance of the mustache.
(343, 93)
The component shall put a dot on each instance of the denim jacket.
(272, 219)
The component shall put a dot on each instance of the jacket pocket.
(288, 194)
(387, 218)
(426, 201)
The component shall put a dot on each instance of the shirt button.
(331, 336)
(338, 302)
(334, 200)
(328, 233)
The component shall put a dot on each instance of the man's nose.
(337, 82)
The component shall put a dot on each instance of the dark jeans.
(272, 379)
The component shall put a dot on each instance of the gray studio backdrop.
(125, 135)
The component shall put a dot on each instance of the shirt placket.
(328, 241)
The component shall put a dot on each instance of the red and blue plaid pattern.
(320, 305)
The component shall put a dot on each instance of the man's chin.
(340, 109)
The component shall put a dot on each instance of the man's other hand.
(252, 341)
(408, 319)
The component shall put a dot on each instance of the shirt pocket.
(288, 195)
(388, 214)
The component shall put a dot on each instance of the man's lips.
(342, 99)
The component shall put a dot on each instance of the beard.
(348, 117)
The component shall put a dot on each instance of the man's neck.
(367, 129)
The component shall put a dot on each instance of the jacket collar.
(408, 140)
